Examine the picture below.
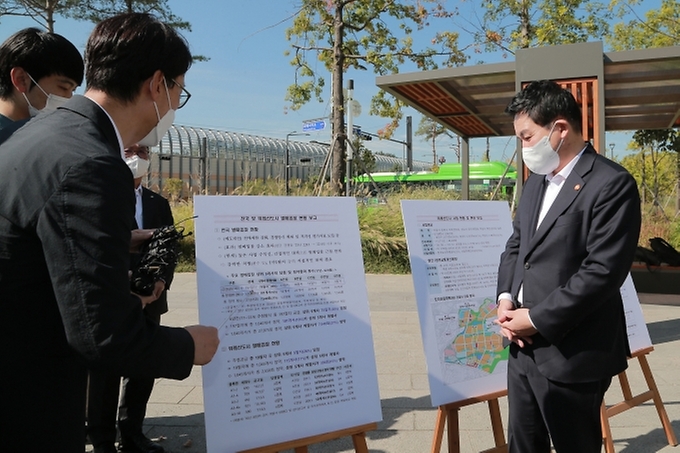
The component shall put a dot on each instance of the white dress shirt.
(554, 185)
(138, 207)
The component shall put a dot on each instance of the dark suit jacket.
(7, 131)
(156, 213)
(65, 220)
(573, 266)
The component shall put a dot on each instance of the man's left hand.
(138, 238)
(518, 325)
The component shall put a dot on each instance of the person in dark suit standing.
(151, 211)
(573, 241)
(65, 229)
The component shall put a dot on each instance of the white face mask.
(53, 101)
(153, 138)
(137, 166)
(542, 158)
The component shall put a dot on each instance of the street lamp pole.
(287, 174)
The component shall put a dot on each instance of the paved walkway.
(175, 412)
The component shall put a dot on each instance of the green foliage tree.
(41, 11)
(660, 155)
(367, 161)
(44, 12)
(431, 130)
(98, 10)
(360, 34)
(659, 28)
(8, 8)
(509, 25)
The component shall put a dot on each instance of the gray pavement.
(175, 411)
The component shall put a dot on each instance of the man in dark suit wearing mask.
(573, 241)
(151, 211)
(65, 228)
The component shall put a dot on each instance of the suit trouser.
(132, 409)
(541, 410)
(102, 404)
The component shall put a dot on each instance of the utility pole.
(350, 138)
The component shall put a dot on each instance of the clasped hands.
(515, 323)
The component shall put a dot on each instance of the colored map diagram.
(470, 343)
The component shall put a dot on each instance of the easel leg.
(496, 422)
(438, 431)
(606, 430)
(359, 441)
(660, 409)
(453, 429)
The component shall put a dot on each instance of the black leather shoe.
(139, 443)
(105, 448)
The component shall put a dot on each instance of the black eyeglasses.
(183, 96)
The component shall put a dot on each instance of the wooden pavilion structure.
(618, 91)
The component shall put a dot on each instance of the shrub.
(173, 189)
(183, 213)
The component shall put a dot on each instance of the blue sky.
(242, 87)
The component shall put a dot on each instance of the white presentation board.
(283, 280)
(454, 249)
(638, 334)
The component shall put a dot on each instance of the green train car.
(484, 176)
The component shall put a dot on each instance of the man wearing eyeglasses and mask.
(65, 221)
(39, 71)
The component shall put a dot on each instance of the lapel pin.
(577, 187)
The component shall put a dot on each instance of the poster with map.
(454, 249)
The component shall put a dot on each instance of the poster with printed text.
(636, 327)
(282, 278)
(454, 249)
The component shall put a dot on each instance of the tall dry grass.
(383, 241)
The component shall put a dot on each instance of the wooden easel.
(630, 401)
(449, 413)
(358, 434)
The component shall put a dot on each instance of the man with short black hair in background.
(39, 71)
